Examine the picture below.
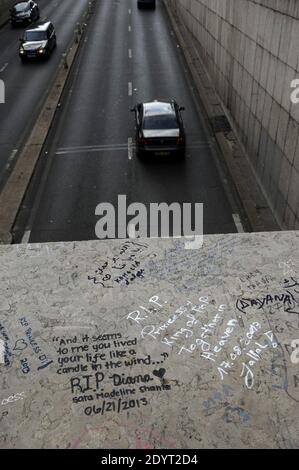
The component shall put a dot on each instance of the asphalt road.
(127, 56)
(26, 85)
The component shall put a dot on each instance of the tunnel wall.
(250, 50)
(5, 5)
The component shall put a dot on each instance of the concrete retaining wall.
(250, 50)
(5, 5)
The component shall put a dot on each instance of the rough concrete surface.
(144, 344)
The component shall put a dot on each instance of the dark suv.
(38, 42)
(24, 13)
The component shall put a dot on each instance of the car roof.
(154, 108)
(40, 27)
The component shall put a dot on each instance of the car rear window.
(21, 7)
(167, 121)
(35, 35)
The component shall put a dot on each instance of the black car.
(159, 129)
(146, 4)
(24, 13)
(38, 42)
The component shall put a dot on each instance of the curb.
(15, 188)
(258, 212)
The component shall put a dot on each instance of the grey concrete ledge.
(142, 343)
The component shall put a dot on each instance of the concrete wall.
(5, 5)
(250, 50)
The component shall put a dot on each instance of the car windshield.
(35, 35)
(163, 121)
(21, 7)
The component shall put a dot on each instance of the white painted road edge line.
(26, 236)
(11, 158)
(130, 88)
(130, 148)
(238, 223)
(4, 67)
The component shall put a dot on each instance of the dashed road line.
(11, 158)
(8, 163)
(130, 88)
(130, 148)
(4, 67)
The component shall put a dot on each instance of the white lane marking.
(130, 148)
(11, 158)
(238, 223)
(130, 11)
(131, 230)
(2, 351)
(87, 147)
(129, 28)
(4, 67)
(95, 148)
(130, 53)
(116, 147)
(130, 88)
(26, 236)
